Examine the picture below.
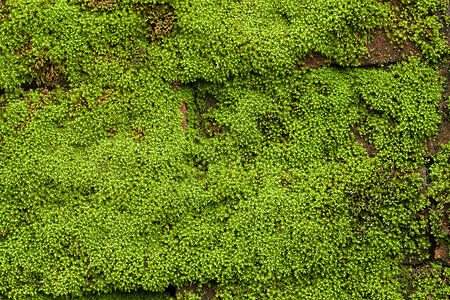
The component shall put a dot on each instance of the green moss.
(287, 183)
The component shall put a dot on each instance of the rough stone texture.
(206, 292)
(445, 219)
(442, 253)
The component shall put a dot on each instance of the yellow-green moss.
(272, 193)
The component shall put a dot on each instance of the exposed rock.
(381, 51)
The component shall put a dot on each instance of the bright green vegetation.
(268, 194)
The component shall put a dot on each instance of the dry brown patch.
(441, 253)
(114, 130)
(382, 50)
(415, 259)
(313, 61)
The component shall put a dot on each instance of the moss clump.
(286, 182)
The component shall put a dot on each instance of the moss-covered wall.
(270, 149)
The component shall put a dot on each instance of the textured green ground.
(268, 194)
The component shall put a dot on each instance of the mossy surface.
(287, 183)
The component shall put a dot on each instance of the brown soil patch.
(441, 253)
(381, 50)
(207, 125)
(138, 134)
(104, 98)
(210, 102)
(314, 61)
(444, 71)
(114, 130)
